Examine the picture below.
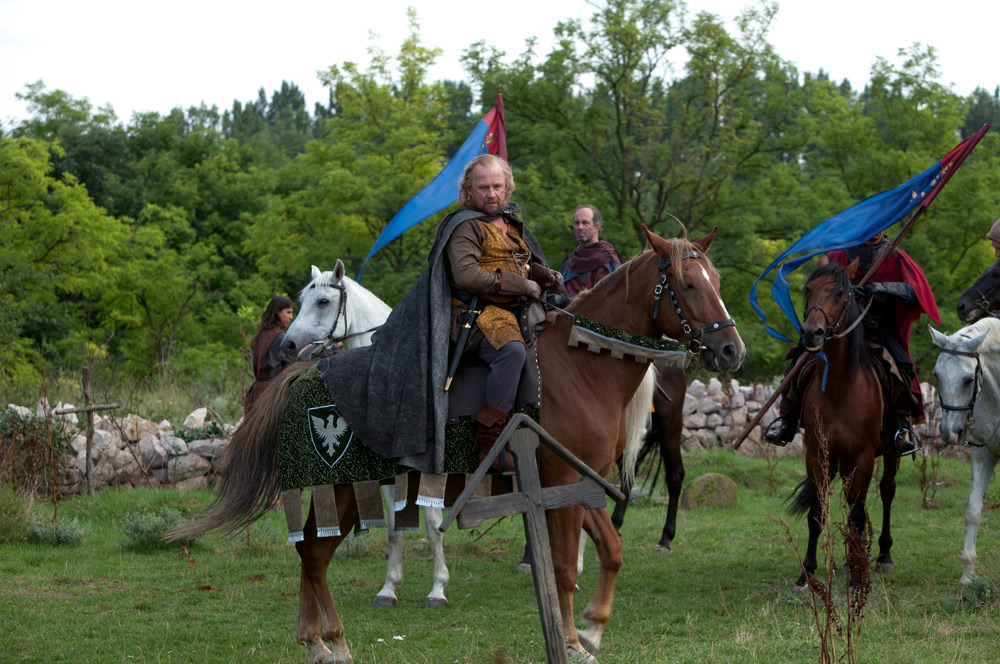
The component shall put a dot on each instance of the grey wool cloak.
(392, 392)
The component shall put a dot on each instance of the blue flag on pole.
(489, 137)
(854, 226)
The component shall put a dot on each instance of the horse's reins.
(694, 343)
(970, 421)
(329, 341)
(829, 330)
(828, 333)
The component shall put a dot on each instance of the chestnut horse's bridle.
(970, 421)
(694, 343)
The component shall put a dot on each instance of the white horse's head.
(332, 308)
(959, 376)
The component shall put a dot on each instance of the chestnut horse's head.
(982, 298)
(688, 306)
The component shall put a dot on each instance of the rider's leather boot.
(782, 430)
(490, 422)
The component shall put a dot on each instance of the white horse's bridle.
(328, 342)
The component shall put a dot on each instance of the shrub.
(68, 532)
(25, 455)
(144, 531)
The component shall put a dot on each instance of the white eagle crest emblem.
(331, 434)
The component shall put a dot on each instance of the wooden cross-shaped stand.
(88, 408)
(532, 501)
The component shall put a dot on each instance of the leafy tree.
(57, 249)
(387, 139)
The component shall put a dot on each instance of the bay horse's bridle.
(981, 298)
(330, 341)
(694, 338)
(830, 330)
(970, 421)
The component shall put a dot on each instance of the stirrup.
(906, 442)
(777, 439)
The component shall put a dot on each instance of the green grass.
(722, 596)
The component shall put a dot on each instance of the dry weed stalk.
(831, 627)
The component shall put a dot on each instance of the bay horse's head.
(831, 311)
(982, 298)
(687, 304)
(959, 373)
(321, 315)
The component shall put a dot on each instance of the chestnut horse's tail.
(802, 498)
(248, 480)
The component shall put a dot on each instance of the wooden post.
(88, 408)
(532, 501)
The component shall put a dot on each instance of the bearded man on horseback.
(484, 270)
(899, 293)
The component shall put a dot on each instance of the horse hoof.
(524, 567)
(581, 657)
(435, 602)
(884, 568)
(590, 642)
(799, 591)
(659, 548)
(382, 602)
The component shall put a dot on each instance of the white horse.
(968, 375)
(334, 309)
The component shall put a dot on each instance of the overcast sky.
(146, 56)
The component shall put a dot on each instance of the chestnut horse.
(584, 398)
(843, 414)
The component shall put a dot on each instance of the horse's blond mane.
(678, 246)
(990, 325)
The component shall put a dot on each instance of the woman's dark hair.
(270, 318)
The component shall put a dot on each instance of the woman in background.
(265, 346)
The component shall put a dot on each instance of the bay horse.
(843, 414)
(584, 398)
(968, 376)
(982, 298)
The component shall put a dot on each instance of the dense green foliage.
(151, 247)
(722, 596)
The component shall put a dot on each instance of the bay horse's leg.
(983, 463)
(813, 518)
(394, 570)
(320, 628)
(432, 521)
(673, 464)
(887, 491)
(856, 485)
(609, 549)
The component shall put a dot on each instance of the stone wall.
(131, 451)
(715, 414)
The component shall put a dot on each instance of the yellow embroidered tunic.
(477, 252)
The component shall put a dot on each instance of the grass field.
(722, 596)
